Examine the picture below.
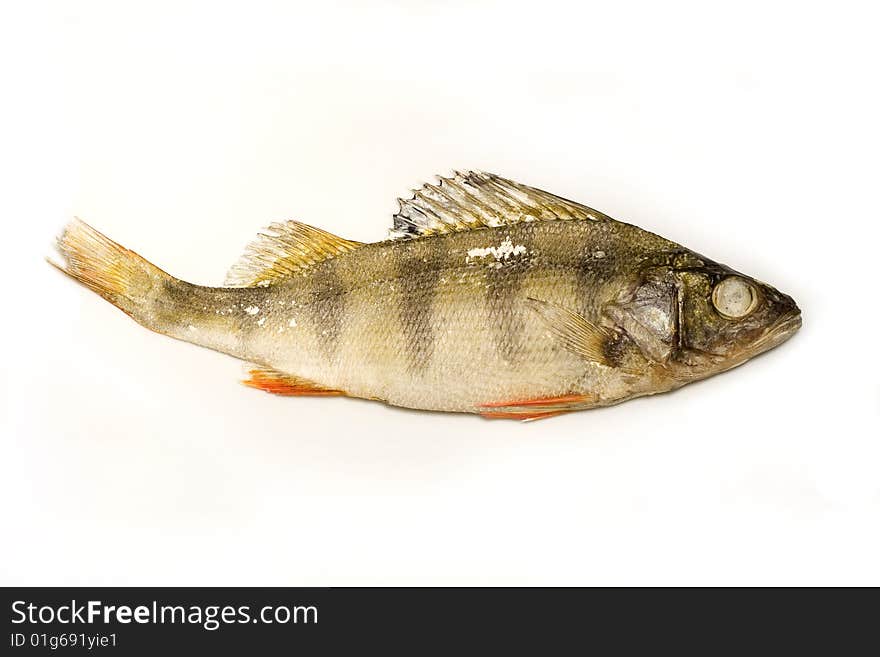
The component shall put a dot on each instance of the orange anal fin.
(534, 409)
(541, 401)
(524, 416)
(279, 383)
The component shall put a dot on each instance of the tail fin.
(148, 295)
(121, 276)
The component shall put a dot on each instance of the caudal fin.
(147, 294)
(121, 276)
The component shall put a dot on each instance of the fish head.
(694, 317)
(727, 317)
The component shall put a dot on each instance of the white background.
(747, 131)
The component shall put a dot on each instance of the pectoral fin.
(577, 333)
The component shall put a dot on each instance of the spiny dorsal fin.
(284, 250)
(480, 200)
(576, 332)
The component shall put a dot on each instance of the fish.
(488, 297)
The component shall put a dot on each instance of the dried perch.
(490, 297)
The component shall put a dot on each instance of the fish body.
(491, 297)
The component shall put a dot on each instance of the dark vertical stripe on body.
(327, 306)
(418, 273)
(585, 287)
(503, 294)
(593, 269)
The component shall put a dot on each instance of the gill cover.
(649, 313)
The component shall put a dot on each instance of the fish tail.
(201, 315)
(120, 276)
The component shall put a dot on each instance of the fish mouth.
(778, 332)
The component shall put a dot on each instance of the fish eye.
(734, 298)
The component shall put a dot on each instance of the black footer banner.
(147, 621)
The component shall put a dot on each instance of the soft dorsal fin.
(480, 200)
(284, 250)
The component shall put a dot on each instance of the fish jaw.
(783, 330)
